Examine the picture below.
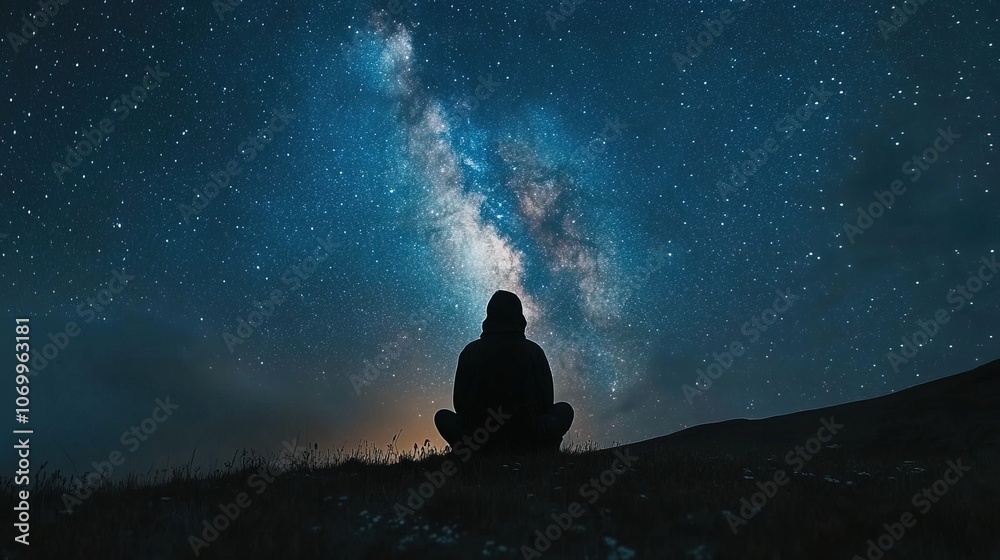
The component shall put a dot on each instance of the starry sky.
(658, 190)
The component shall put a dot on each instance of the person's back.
(504, 386)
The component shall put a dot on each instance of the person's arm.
(548, 397)
(465, 388)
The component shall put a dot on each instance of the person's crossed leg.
(542, 433)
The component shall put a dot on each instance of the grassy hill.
(909, 475)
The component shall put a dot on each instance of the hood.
(504, 315)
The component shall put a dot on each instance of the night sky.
(369, 174)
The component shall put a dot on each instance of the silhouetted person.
(503, 389)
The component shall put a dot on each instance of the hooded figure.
(504, 385)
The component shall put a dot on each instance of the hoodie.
(502, 368)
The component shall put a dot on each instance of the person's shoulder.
(472, 346)
(533, 345)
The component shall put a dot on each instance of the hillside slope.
(958, 413)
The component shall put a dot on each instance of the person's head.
(504, 313)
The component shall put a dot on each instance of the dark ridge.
(956, 413)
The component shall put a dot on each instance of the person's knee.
(557, 421)
(564, 411)
(445, 420)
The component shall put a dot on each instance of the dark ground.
(679, 498)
